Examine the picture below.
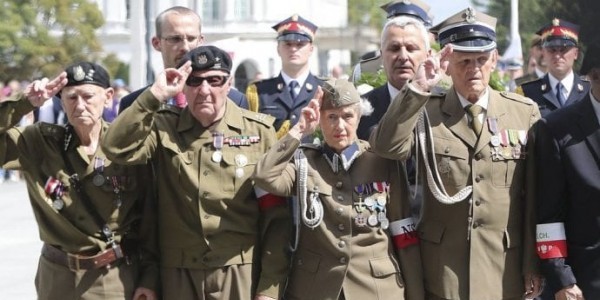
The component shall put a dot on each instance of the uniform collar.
(483, 101)
(301, 79)
(567, 83)
(231, 118)
(344, 159)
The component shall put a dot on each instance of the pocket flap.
(452, 148)
(383, 266)
(431, 232)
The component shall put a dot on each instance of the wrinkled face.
(560, 60)
(403, 51)
(180, 33)
(471, 72)
(84, 104)
(206, 94)
(339, 126)
(294, 54)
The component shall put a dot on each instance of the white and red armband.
(551, 241)
(404, 233)
(267, 200)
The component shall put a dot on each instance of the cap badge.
(295, 18)
(555, 22)
(217, 62)
(78, 73)
(470, 15)
(202, 59)
(90, 75)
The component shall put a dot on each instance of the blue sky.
(442, 9)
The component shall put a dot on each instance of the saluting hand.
(309, 117)
(170, 82)
(41, 90)
(431, 71)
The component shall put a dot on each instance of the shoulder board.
(170, 109)
(524, 79)
(265, 81)
(310, 146)
(516, 97)
(372, 55)
(535, 81)
(259, 117)
(48, 129)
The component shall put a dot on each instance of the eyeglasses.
(214, 80)
(177, 39)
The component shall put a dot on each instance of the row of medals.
(508, 144)
(375, 209)
(240, 159)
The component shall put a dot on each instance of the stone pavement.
(19, 243)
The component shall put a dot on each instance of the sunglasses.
(214, 80)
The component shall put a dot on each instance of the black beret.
(208, 58)
(87, 73)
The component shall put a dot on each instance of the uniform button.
(342, 260)
(477, 202)
(447, 150)
(476, 224)
(205, 259)
(341, 227)
(204, 195)
(340, 198)
(206, 216)
(342, 244)
(478, 156)
(339, 185)
(206, 172)
(478, 178)
(339, 211)
(299, 262)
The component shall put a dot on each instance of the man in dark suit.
(284, 96)
(568, 193)
(178, 30)
(400, 57)
(561, 86)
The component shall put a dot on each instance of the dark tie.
(474, 111)
(293, 85)
(559, 94)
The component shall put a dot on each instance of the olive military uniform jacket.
(38, 151)
(479, 248)
(338, 256)
(208, 213)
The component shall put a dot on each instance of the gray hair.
(403, 21)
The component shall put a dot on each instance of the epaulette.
(371, 55)
(265, 80)
(53, 130)
(517, 97)
(311, 146)
(524, 79)
(259, 117)
(164, 108)
(532, 81)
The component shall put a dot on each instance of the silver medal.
(495, 140)
(241, 160)
(381, 200)
(98, 180)
(372, 220)
(58, 204)
(217, 156)
(369, 202)
(239, 172)
(385, 224)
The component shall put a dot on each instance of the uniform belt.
(77, 262)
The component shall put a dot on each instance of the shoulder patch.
(526, 78)
(516, 97)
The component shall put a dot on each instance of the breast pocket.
(239, 164)
(181, 166)
(452, 162)
(505, 172)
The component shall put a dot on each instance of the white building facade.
(241, 27)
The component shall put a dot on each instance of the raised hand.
(41, 90)
(170, 82)
(431, 71)
(309, 117)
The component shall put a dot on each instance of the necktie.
(559, 94)
(293, 85)
(474, 111)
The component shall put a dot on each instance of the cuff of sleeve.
(558, 274)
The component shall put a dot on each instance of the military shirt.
(38, 149)
(341, 254)
(209, 216)
(481, 247)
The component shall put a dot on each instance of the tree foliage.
(40, 37)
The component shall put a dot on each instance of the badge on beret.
(470, 15)
(217, 62)
(78, 73)
(202, 59)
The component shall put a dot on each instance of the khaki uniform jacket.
(338, 255)
(482, 247)
(37, 151)
(208, 213)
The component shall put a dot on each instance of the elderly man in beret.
(94, 216)
(217, 238)
(568, 152)
(477, 227)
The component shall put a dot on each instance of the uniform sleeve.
(11, 141)
(551, 200)
(403, 233)
(274, 172)
(275, 225)
(393, 137)
(130, 139)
